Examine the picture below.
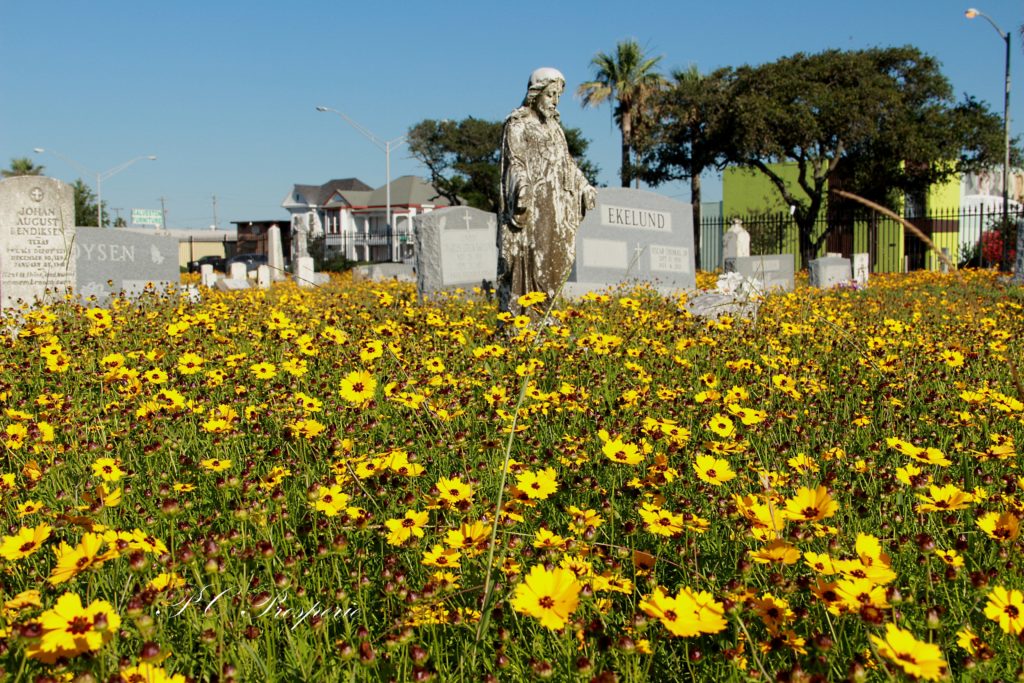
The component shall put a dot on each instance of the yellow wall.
(747, 191)
(944, 196)
(191, 252)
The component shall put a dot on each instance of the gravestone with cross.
(37, 231)
(456, 247)
(634, 236)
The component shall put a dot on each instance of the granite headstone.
(773, 271)
(37, 230)
(455, 247)
(110, 261)
(634, 235)
(830, 271)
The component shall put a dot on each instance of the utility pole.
(163, 212)
(117, 215)
(215, 225)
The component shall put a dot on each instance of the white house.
(353, 216)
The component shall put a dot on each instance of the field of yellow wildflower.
(345, 483)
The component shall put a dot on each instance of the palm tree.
(625, 78)
(21, 166)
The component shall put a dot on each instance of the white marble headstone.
(861, 268)
(37, 231)
(304, 271)
(736, 241)
(275, 253)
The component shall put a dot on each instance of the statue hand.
(522, 218)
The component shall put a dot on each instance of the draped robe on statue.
(543, 198)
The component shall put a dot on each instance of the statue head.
(544, 90)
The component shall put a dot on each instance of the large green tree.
(21, 166)
(886, 115)
(683, 134)
(626, 78)
(464, 158)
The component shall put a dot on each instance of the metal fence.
(890, 245)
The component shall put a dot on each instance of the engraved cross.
(36, 194)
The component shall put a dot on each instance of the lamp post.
(1019, 275)
(385, 145)
(100, 176)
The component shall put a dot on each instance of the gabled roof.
(348, 198)
(319, 195)
(406, 191)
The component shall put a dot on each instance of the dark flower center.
(79, 625)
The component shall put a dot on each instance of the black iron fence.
(970, 236)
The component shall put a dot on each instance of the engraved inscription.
(670, 259)
(629, 217)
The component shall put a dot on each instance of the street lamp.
(100, 176)
(1019, 275)
(385, 145)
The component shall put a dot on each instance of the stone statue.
(544, 196)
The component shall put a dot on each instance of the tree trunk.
(695, 206)
(627, 140)
(807, 250)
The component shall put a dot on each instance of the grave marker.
(110, 261)
(634, 235)
(830, 271)
(455, 247)
(37, 230)
(773, 271)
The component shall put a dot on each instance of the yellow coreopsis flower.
(686, 615)
(549, 596)
(24, 543)
(943, 499)
(917, 658)
(107, 469)
(190, 363)
(622, 452)
(70, 629)
(712, 470)
(809, 505)
(73, 561)
(1002, 526)
(1006, 608)
(263, 371)
(358, 387)
(539, 484)
(405, 528)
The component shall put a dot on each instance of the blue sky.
(224, 92)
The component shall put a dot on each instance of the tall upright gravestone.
(455, 247)
(37, 231)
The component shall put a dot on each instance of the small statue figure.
(544, 196)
